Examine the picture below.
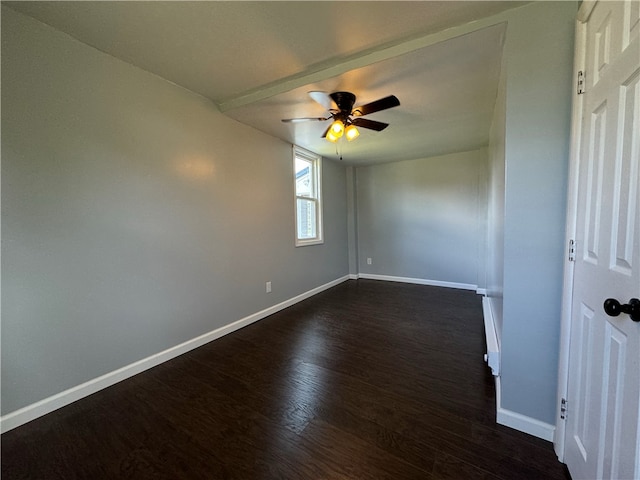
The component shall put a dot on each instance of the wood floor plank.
(367, 380)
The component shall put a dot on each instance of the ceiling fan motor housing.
(344, 101)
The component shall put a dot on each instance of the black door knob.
(613, 308)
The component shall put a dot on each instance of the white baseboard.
(419, 281)
(481, 291)
(521, 422)
(526, 424)
(59, 400)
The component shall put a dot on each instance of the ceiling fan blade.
(304, 119)
(323, 99)
(326, 131)
(371, 124)
(382, 104)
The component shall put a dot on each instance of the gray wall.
(424, 218)
(352, 220)
(134, 215)
(539, 88)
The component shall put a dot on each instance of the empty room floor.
(367, 380)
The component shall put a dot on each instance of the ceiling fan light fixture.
(331, 137)
(337, 128)
(351, 132)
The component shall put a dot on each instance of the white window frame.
(316, 196)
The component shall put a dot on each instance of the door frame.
(579, 63)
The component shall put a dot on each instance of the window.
(307, 168)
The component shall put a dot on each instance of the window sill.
(313, 241)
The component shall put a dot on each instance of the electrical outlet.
(268, 286)
(369, 261)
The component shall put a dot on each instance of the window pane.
(308, 207)
(304, 178)
(306, 219)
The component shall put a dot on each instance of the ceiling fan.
(345, 117)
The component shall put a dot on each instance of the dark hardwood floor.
(367, 380)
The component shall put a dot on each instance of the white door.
(602, 438)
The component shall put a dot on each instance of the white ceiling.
(257, 60)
